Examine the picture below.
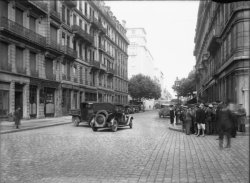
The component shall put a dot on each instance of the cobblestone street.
(149, 152)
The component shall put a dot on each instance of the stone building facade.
(222, 52)
(57, 54)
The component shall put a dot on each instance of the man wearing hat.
(200, 119)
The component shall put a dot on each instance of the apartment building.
(222, 52)
(57, 54)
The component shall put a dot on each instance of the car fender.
(129, 118)
(92, 122)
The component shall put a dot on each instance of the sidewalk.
(9, 127)
(179, 129)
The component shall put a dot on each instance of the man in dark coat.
(200, 119)
(225, 121)
(171, 115)
(17, 117)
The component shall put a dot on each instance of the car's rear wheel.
(114, 127)
(76, 121)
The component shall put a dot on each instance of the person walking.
(171, 115)
(225, 120)
(200, 119)
(17, 117)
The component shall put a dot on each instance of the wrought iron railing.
(53, 44)
(71, 3)
(21, 70)
(43, 6)
(51, 76)
(86, 36)
(70, 51)
(34, 73)
(22, 31)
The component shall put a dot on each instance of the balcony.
(110, 71)
(214, 40)
(5, 67)
(69, 51)
(50, 76)
(34, 73)
(21, 70)
(53, 45)
(38, 5)
(95, 64)
(55, 15)
(102, 47)
(66, 78)
(21, 31)
(70, 3)
(79, 32)
(103, 67)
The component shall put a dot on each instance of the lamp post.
(177, 84)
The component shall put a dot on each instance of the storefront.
(4, 99)
(33, 101)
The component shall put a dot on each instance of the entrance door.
(33, 98)
(19, 101)
(66, 101)
(49, 108)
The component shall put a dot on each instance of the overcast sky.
(170, 28)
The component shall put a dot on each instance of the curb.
(175, 129)
(35, 127)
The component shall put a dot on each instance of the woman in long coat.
(17, 117)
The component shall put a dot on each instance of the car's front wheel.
(114, 127)
(94, 129)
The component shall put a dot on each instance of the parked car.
(85, 113)
(164, 110)
(111, 116)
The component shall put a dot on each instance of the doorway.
(19, 98)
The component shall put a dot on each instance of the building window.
(19, 60)
(32, 63)
(80, 23)
(63, 13)
(85, 10)
(3, 55)
(4, 103)
(68, 17)
(19, 16)
(32, 23)
(74, 19)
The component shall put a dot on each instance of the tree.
(143, 87)
(187, 85)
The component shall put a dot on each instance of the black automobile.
(85, 113)
(111, 116)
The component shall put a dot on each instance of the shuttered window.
(19, 16)
(32, 62)
(3, 9)
(19, 60)
(32, 23)
(53, 34)
(3, 55)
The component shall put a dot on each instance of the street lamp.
(177, 84)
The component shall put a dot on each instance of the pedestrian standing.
(195, 121)
(171, 115)
(200, 119)
(209, 116)
(225, 123)
(188, 120)
(17, 117)
(241, 118)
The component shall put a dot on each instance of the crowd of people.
(220, 118)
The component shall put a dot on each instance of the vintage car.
(164, 110)
(111, 116)
(85, 113)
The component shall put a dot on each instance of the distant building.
(222, 52)
(140, 60)
(57, 54)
